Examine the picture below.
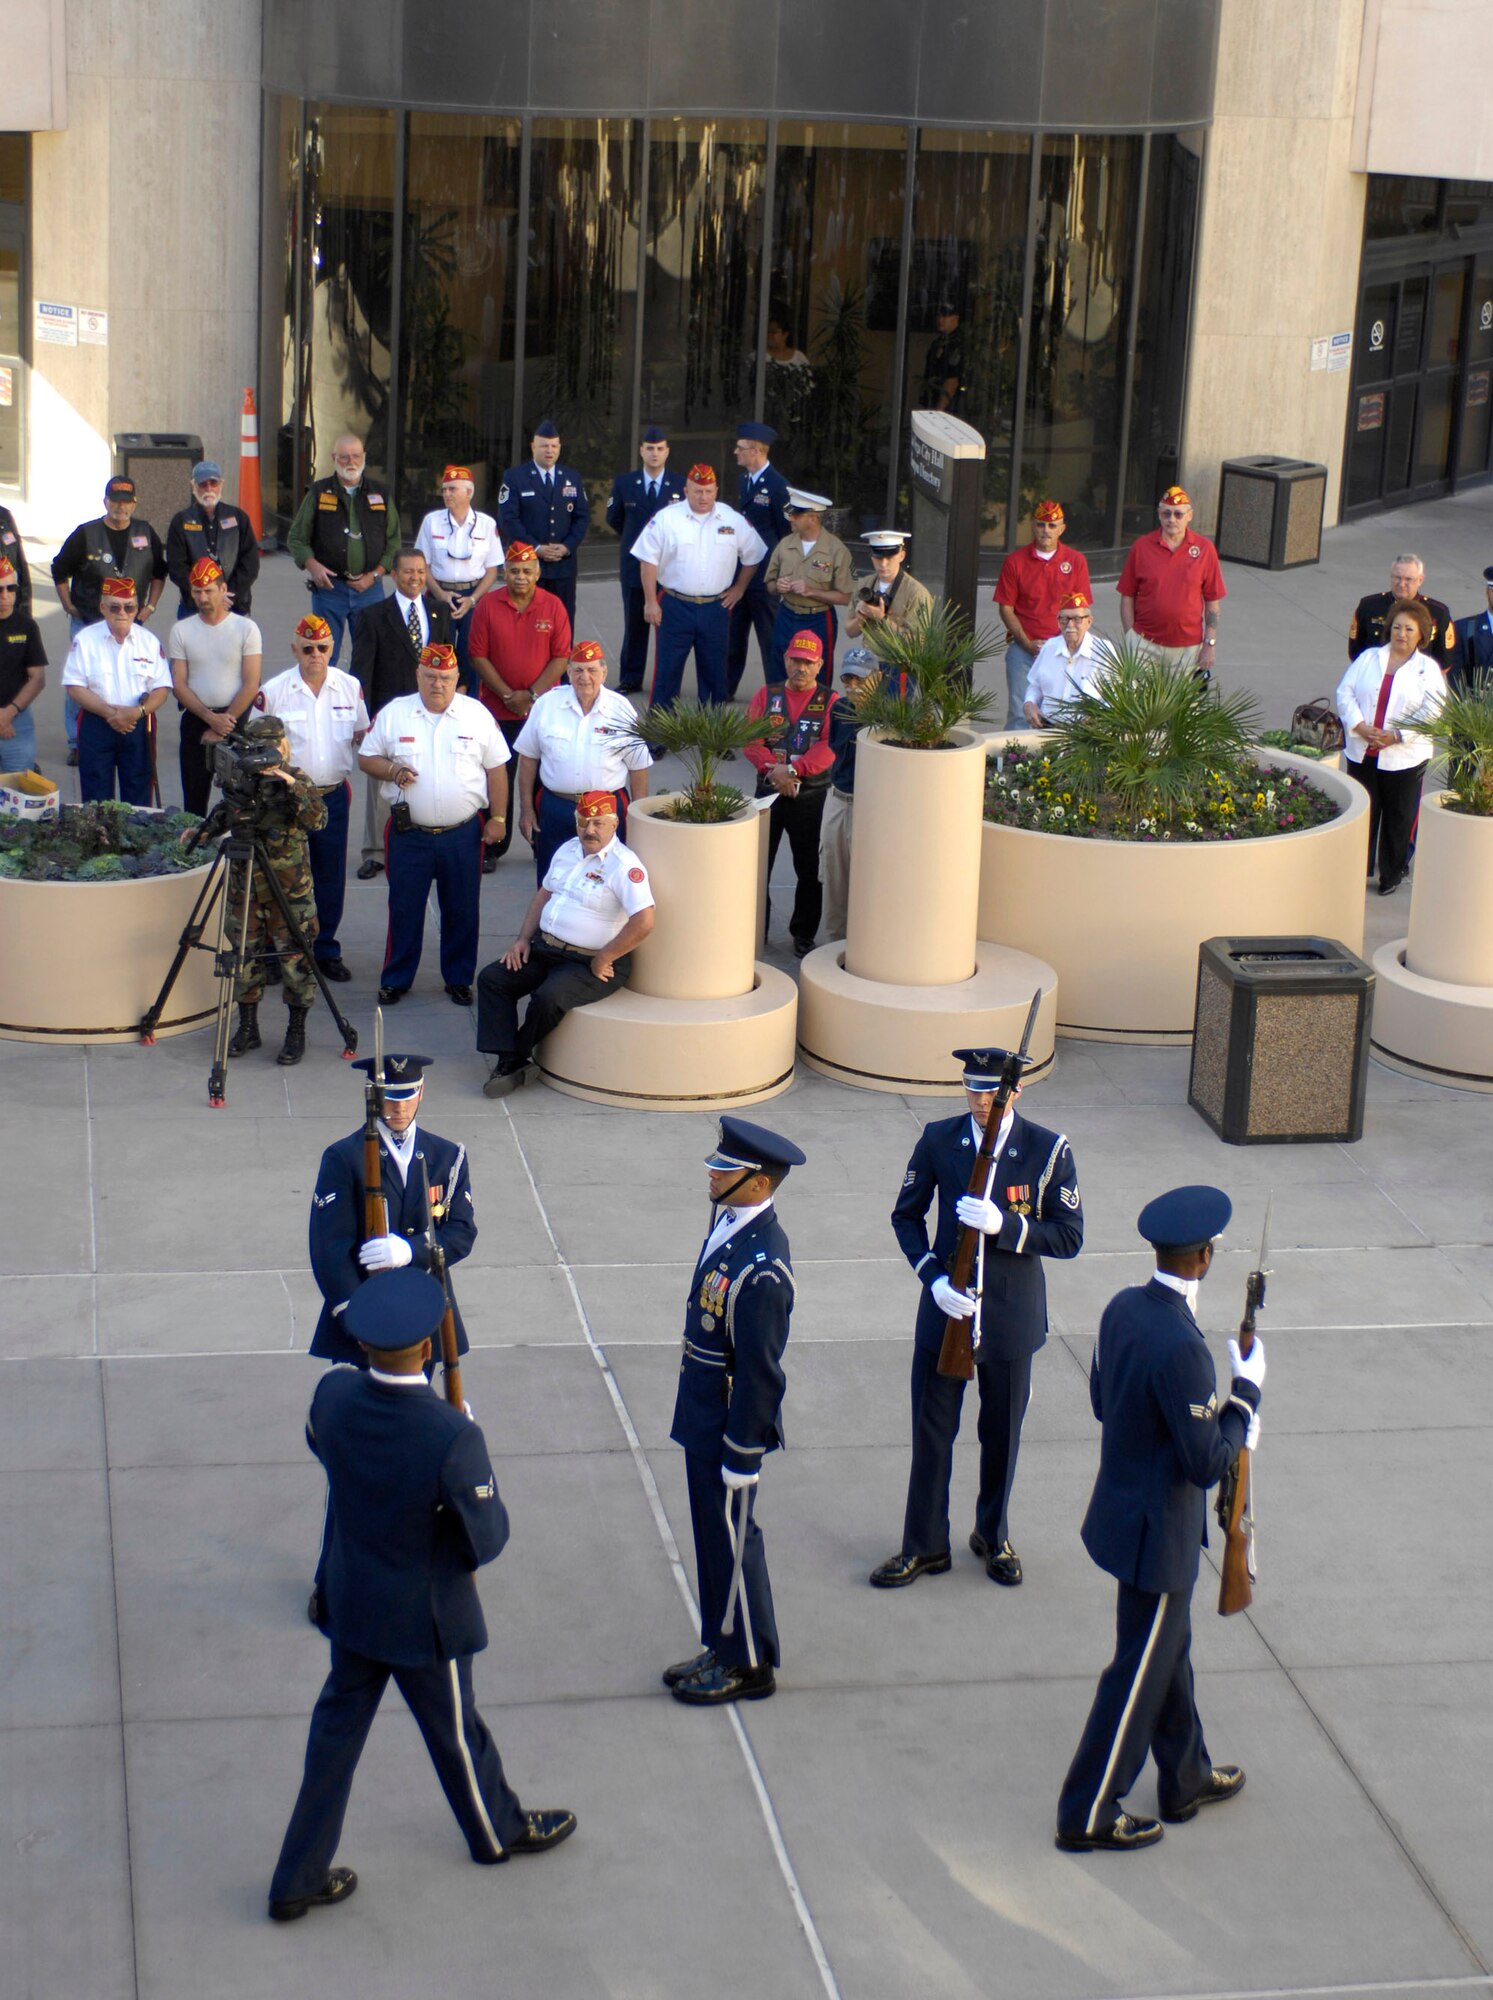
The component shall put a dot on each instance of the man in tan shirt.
(808, 574)
(889, 600)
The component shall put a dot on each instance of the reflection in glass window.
(1161, 327)
(346, 316)
(832, 311)
(700, 286)
(284, 265)
(457, 303)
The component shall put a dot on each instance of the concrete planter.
(81, 961)
(1122, 920)
(1433, 1001)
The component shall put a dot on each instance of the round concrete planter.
(81, 961)
(1122, 920)
(1433, 997)
(700, 1025)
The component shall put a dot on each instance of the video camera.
(241, 759)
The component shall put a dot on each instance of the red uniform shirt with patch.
(519, 644)
(1034, 588)
(1171, 586)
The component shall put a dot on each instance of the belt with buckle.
(419, 827)
(564, 944)
(685, 597)
(711, 1357)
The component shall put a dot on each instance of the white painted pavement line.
(92, 1198)
(671, 1550)
(1473, 1982)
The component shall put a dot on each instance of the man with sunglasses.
(325, 718)
(23, 674)
(1171, 588)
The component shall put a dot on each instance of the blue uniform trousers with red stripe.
(327, 848)
(453, 862)
(703, 629)
(757, 612)
(786, 626)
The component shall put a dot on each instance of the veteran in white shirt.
(696, 558)
(1065, 667)
(576, 738)
(117, 675)
(463, 552)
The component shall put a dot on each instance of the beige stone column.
(1451, 898)
(704, 881)
(915, 862)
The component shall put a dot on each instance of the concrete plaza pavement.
(883, 1827)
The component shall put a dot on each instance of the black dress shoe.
(629, 687)
(687, 1669)
(1225, 1781)
(390, 996)
(802, 947)
(1123, 1837)
(900, 1569)
(1388, 888)
(72, 760)
(506, 1077)
(462, 995)
(313, 1607)
(489, 861)
(335, 970)
(1004, 1566)
(541, 1830)
(369, 869)
(338, 1886)
(720, 1683)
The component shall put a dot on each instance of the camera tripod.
(240, 859)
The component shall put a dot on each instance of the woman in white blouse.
(1384, 690)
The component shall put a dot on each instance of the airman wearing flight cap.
(544, 503)
(807, 574)
(891, 599)
(636, 498)
(413, 1512)
(1033, 582)
(1171, 588)
(1030, 1209)
(1472, 658)
(761, 499)
(1165, 1441)
(728, 1412)
(212, 526)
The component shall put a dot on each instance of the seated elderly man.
(1067, 666)
(592, 908)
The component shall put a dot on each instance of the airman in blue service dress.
(1165, 1441)
(762, 498)
(414, 1512)
(636, 498)
(728, 1411)
(546, 505)
(340, 1259)
(1031, 1210)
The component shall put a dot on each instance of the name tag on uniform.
(327, 502)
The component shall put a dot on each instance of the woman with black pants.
(1385, 690)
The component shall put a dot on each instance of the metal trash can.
(1270, 512)
(1280, 1040)
(160, 463)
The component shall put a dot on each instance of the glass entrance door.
(1407, 407)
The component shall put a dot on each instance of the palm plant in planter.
(1462, 730)
(701, 735)
(926, 688)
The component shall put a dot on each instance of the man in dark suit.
(414, 1511)
(341, 1260)
(386, 656)
(1030, 1210)
(1165, 1442)
(762, 499)
(728, 1412)
(636, 498)
(544, 503)
(1472, 657)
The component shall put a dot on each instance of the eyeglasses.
(8, 589)
(1172, 513)
(317, 645)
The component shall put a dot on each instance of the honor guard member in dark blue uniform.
(762, 497)
(340, 1259)
(1472, 658)
(414, 1512)
(1165, 1442)
(1031, 1210)
(636, 498)
(544, 503)
(728, 1412)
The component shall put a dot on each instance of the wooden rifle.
(1235, 1517)
(450, 1359)
(375, 1208)
(957, 1355)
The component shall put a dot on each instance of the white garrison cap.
(800, 501)
(886, 541)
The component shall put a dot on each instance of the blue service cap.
(546, 428)
(655, 434)
(394, 1309)
(982, 1067)
(756, 434)
(403, 1075)
(1488, 574)
(753, 1149)
(206, 468)
(1184, 1217)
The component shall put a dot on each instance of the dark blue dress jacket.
(730, 1401)
(1472, 659)
(767, 510)
(630, 510)
(529, 511)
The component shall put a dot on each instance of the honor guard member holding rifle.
(544, 503)
(728, 1412)
(1031, 1209)
(1165, 1442)
(762, 500)
(413, 1512)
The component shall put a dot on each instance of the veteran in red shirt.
(1171, 588)
(1033, 582)
(519, 648)
(793, 766)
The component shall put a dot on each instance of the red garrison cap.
(519, 552)
(1075, 601)
(596, 805)
(205, 571)
(1175, 496)
(588, 651)
(457, 472)
(313, 626)
(119, 586)
(703, 474)
(1048, 510)
(441, 658)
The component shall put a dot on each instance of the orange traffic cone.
(248, 467)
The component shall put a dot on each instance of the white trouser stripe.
(1124, 1722)
(466, 1758)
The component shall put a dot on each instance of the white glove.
(384, 1253)
(466, 1410)
(1252, 1365)
(735, 1480)
(954, 1305)
(975, 1212)
(1252, 1435)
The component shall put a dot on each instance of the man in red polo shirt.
(792, 768)
(519, 647)
(1033, 582)
(1171, 588)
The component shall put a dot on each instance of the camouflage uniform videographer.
(285, 807)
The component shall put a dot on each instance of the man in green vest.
(345, 536)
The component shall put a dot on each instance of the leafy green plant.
(1462, 730)
(1282, 739)
(701, 736)
(104, 841)
(926, 685)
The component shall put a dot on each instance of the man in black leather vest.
(211, 527)
(117, 543)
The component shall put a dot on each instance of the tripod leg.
(190, 938)
(240, 867)
(345, 1027)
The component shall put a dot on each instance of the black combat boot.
(295, 1037)
(248, 1029)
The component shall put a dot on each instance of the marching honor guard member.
(413, 1512)
(1031, 1209)
(1165, 1442)
(728, 1412)
(341, 1260)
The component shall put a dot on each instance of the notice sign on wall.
(93, 327)
(7, 388)
(1332, 353)
(55, 325)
